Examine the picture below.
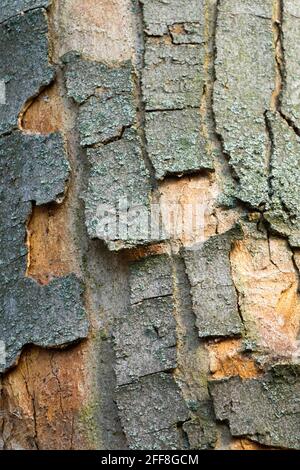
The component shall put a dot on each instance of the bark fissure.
(110, 140)
(141, 111)
(221, 157)
(55, 375)
(270, 154)
(280, 64)
(34, 409)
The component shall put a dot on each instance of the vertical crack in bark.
(226, 175)
(297, 272)
(33, 404)
(57, 381)
(2, 414)
(275, 103)
(270, 153)
(180, 329)
(184, 335)
(279, 56)
(141, 112)
(209, 68)
(276, 98)
(238, 295)
(184, 435)
(280, 65)
(192, 369)
(28, 243)
(210, 127)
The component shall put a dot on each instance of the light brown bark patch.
(246, 444)
(51, 250)
(145, 251)
(267, 284)
(226, 359)
(101, 30)
(190, 212)
(44, 114)
(42, 398)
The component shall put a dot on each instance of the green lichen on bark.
(290, 102)
(119, 182)
(105, 95)
(173, 81)
(33, 168)
(245, 79)
(213, 293)
(266, 408)
(172, 76)
(159, 15)
(104, 120)
(262, 146)
(24, 65)
(85, 78)
(46, 316)
(175, 144)
(283, 213)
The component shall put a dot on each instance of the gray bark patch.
(150, 403)
(150, 411)
(47, 316)
(245, 79)
(173, 81)
(32, 168)
(213, 293)
(175, 144)
(266, 409)
(172, 76)
(11, 8)
(283, 213)
(118, 182)
(119, 188)
(145, 340)
(150, 278)
(24, 65)
(159, 15)
(290, 103)
(105, 95)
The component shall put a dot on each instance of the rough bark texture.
(113, 336)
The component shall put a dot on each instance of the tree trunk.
(150, 224)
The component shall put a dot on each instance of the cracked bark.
(193, 340)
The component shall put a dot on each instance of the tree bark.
(150, 224)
